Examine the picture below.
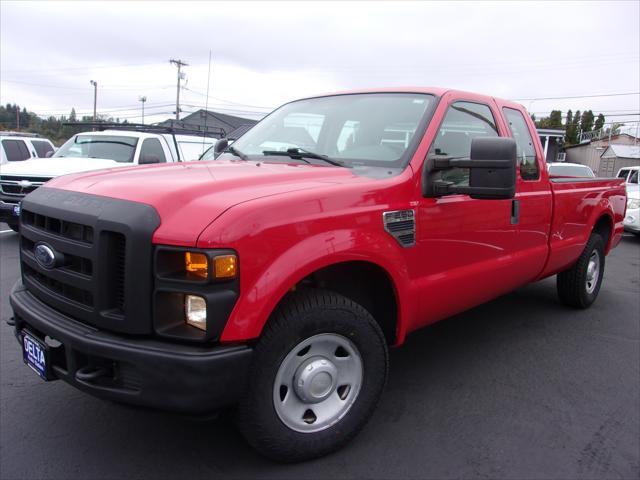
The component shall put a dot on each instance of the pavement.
(519, 388)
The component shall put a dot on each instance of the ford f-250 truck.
(277, 277)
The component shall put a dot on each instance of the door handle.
(515, 212)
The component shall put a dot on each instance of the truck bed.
(574, 208)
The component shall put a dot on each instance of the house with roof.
(214, 121)
(615, 157)
(589, 152)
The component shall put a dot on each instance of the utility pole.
(95, 99)
(179, 64)
(142, 99)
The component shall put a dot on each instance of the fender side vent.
(401, 225)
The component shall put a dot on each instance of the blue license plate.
(16, 210)
(34, 354)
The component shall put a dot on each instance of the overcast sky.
(267, 53)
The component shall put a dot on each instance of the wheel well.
(603, 228)
(366, 284)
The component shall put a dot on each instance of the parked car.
(92, 151)
(564, 169)
(630, 175)
(632, 217)
(16, 146)
(278, 280)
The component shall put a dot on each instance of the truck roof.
(438, 91)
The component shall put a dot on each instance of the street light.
(142, 100)
(95, 99)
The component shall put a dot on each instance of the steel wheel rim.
(593, 271)
(317, 383)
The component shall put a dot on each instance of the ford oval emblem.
(45, 255)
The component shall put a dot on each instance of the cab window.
(152, 147)
(524, 143)
(15, 150)
(463, 122)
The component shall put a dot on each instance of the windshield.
(119, 149)
(209, 154)
(376, 129)
(570, 171)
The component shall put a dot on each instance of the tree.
(586, 121)
(599, 122)
(72, 115)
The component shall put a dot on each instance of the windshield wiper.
(300, 154)
(234, 151)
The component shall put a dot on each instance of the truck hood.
(189, 196)
(55, 166)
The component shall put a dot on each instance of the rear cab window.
(151, 147)
(525, 150)
(15, 150)
(42, 147)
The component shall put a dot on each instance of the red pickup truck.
(277, 276)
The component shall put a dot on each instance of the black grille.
(70, 230)
(92, 239)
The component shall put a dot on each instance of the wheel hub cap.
(593, 272)
(315, 379)
(317, 382)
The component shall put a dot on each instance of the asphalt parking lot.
(521, 387)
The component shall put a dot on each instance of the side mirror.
(492, 171)
(148, 159)
(49, 154)
(221, 145)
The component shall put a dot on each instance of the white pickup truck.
(93, 151)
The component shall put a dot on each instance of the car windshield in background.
(119, 149)
(373, 129)
(570, 171)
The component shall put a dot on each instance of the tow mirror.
(221, 145)
(148, 159)
(492, 171)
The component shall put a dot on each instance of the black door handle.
(515, 212)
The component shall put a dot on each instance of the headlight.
(195, 311)
(196, 263)
(633, 203)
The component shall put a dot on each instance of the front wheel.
(319, 369)
(579, 286)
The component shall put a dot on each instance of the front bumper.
(632, 220)
(139, 371)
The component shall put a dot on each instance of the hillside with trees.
(14, 118)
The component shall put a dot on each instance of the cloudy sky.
(266, 53)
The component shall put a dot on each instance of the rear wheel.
(579, 286)
(318, 372)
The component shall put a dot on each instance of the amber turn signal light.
(197, 263)
(226, 266)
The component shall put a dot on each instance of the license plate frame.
(35, 355)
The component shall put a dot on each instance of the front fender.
(276, 277)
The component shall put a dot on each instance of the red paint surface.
(289, 220)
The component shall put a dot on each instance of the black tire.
(14, 227)
(301, 316)
(573, 288)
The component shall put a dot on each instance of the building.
(616, 157)
(552, 140)
(589, 152)
(212, 121)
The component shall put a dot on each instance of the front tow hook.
(89, 373)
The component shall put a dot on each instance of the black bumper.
(139, 371)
